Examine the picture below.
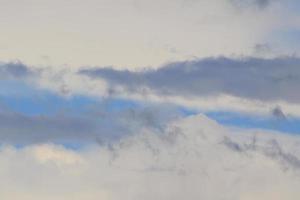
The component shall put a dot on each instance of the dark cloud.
(13, 70)
(278, 113)
(252, 78)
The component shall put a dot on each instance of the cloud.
(263, 49)
(194, 158)
(247, 84)
(14, 70)
(278, 113)
(250, 78)
(89, 125)
(261, 4)
(149, 33)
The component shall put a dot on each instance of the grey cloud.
(271, 149)
(232, 145)
(263, 49)
(93, 125)
(261, 4)
(275, 151)
(18, 128)
(278, 113)
(253, 78)
(13, 70)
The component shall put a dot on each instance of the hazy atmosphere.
(150, 100)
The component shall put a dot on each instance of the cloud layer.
(73, 129)
(242, 84)
(192, 159)
(86, 126)
(247, 84)
(139, 33)
(250, 78)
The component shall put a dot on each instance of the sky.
(137, 99)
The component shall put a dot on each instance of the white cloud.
(131, 33)
(195, 158)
